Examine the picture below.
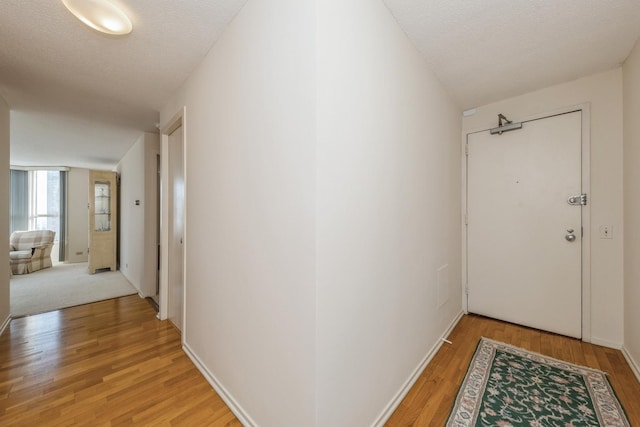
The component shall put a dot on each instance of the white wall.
(384, 154)
(138, 223)
(631, 71)
(388, 211)
(604, 92)
(250, 211)
(77, 215)
(4, 212)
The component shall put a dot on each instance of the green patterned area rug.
(509, 386)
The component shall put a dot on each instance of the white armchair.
(30, 251)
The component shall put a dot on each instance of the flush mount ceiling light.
(101, 15)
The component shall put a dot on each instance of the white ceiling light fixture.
(101, 15)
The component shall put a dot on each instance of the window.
(38, 202)
(44, 200)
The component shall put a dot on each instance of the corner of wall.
(138, 215)
(631, 183)
(235, 407)
(77, 218)
(5, 123)
(411, 380)
(633, 364)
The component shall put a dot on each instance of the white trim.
(606, 343)
(5, 324)
(585, 109)
(586, 222)
(234, 406)
(463, 222)
(185, 226)
(163, 292)
(40, 168)
(178, 119)
(406, 387)
(635, 367)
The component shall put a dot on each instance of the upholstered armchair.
(30, 251)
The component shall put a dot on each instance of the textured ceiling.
(488, 50)
(81, 98)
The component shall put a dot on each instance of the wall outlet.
(606, 232)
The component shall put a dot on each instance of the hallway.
(114, 362)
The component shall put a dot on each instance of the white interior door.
(522, 264)
(176, 228)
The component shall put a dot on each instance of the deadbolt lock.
(580, 200)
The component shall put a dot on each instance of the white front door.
(523, 237)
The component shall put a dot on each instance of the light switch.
(606, 232)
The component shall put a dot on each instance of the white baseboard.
(5, 324)
(606, 343)
(237, 410)
(635, 367)
(397, 399)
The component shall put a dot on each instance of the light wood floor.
(429, 401)
(107, 363)
(114, 363)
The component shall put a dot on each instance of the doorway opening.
(173, 222)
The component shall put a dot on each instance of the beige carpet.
(64, 285)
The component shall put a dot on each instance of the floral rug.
(509, 386)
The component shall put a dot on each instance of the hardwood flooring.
(430, 399)
(114, 363)
(107, 363)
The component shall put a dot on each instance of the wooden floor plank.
(108, 363)
(114, 363)
(429, 402)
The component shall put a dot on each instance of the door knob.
(570, 237)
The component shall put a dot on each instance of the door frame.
(585, 110)
(179, 119)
